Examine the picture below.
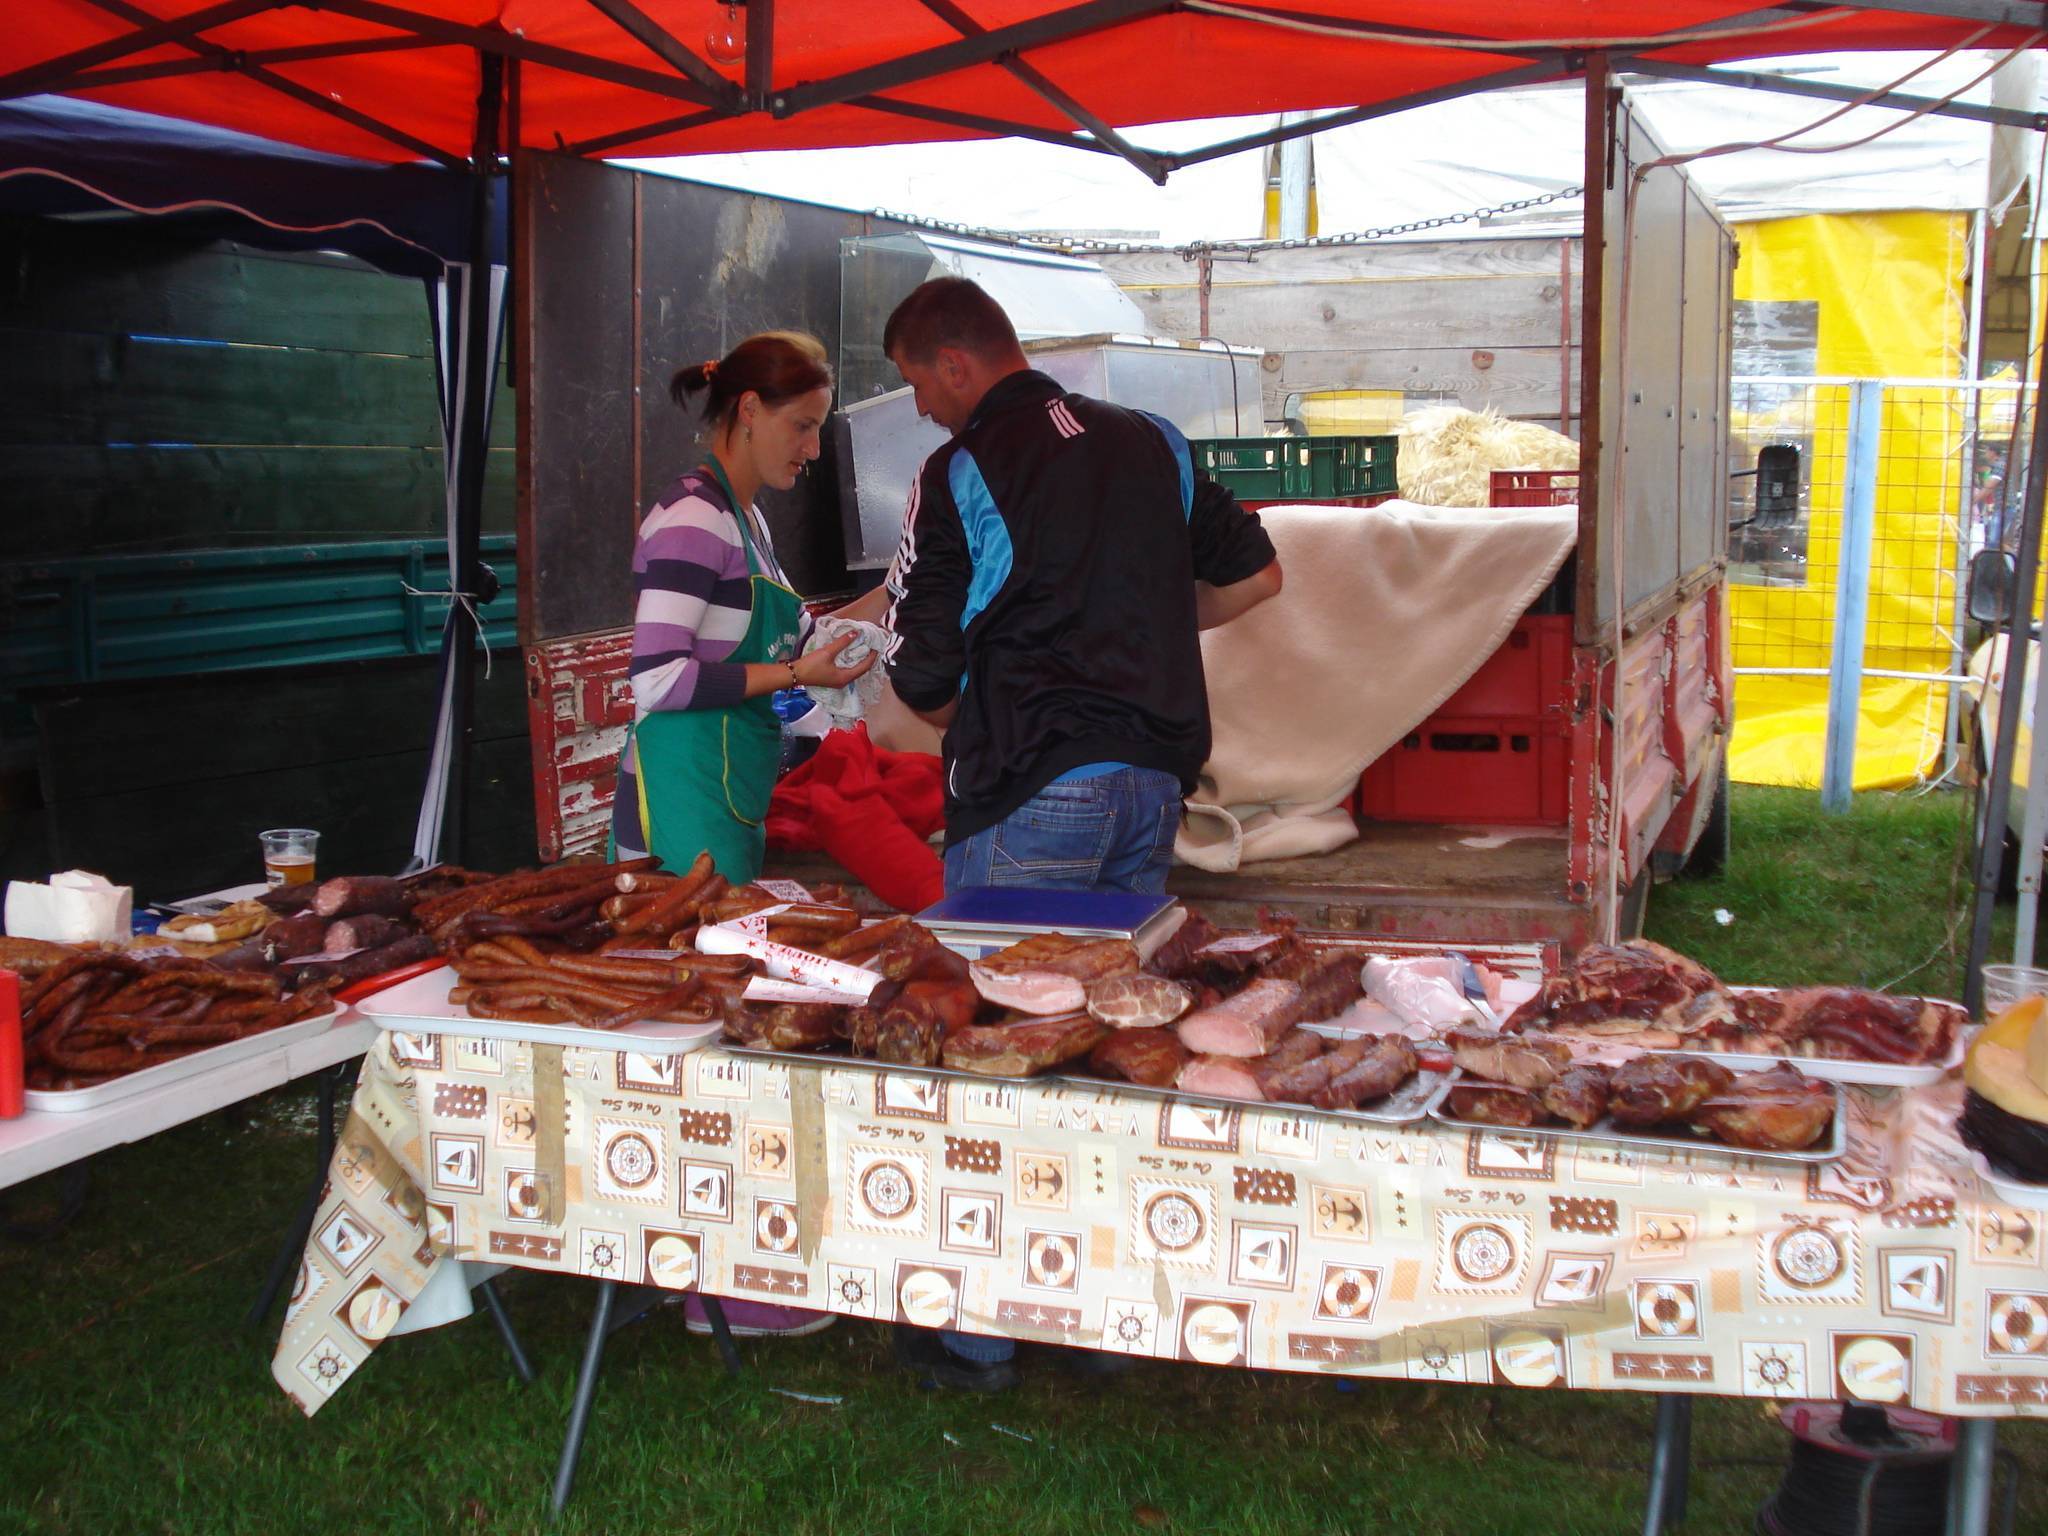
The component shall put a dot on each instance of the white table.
(40, 1140)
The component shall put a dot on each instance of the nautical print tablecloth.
(1265, 1236)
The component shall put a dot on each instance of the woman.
(717, 629)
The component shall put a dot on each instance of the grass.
(132, 1399)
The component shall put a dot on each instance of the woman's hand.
(821, 668)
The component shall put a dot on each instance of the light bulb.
(726, 42)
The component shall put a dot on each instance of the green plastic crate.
(1299, 468)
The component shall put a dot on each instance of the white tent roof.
(1482, 151)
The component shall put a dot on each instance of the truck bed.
(1397, 879)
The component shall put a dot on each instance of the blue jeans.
(1113, 832)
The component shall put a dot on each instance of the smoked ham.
(1220, 1077)
(1152, 1057)
(1019, 1050)
(1049, 973)
(1137, 1001)
(1247, 1023)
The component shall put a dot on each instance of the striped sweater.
(694, 604)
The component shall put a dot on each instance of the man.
(1058, 557)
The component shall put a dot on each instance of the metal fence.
(1900, 481)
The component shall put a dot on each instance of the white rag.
(850, 703)
(1385, 613)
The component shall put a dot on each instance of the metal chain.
(1196, 249)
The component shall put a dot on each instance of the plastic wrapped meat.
(1427, 989)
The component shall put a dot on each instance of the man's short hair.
(949, 312)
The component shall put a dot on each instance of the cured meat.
(1780, 1110)
(1845, 1024)
(1493, 1104)
(914, 952)
(1247, 1023)
(782, 1026)
(1578, 1096)
(1295, 1084)
(1175, 958)
(1652, 1090)
(1295, 1047)
(303, 933)
(1387, 1063)
(1639, 989)
(1138, 1001)
(1220, 1077)
(1153, 1057)
(913, 1028)
(352, 933)
(1019, 1050)
(1518, 1061)
(1048, 973)
(354, 895)
(363, 964)
(1328, 979)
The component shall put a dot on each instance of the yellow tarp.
(1891, 296)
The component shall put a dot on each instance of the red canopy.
(398, 80)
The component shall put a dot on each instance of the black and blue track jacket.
(1046, 578)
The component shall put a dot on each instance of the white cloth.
(1385, 612)
(850, 704)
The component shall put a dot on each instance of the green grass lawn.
(133, 1400)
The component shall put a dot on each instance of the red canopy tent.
(398, 81)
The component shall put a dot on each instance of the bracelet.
(792, 674)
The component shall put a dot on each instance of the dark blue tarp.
(63, 156)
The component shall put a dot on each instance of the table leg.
(1970, 1477)
(302, 1224)
(714, 1314)
(1670, 1463)
(73, 1180)
(495, 1305)
(586, 1389)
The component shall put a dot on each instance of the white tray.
(196, 1064)
(421, 1006)
(2014, 1191)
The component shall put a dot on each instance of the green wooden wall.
(164, 393)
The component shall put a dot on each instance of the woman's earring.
(750, 434)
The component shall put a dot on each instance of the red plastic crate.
(1534, 488)
(1491, 769)
(1496, 750)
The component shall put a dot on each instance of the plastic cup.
(2005, 985)
(288, 855)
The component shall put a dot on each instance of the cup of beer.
(288, 855)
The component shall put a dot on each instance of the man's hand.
(1215, 606)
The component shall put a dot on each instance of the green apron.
(706, 774)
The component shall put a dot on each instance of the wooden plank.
(74, 500)
(1516, 381)
(1376, 260)
(145, 281)
(1417, 312)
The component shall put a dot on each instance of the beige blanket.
(1385, 612)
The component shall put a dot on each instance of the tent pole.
(465, 633)
(2018, 630)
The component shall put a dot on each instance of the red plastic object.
(11, 1101)
(1533, 488)
(1498, 749)
(370, 986)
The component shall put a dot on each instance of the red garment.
(869, 809)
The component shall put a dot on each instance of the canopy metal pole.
(2011, 695)
(465, 631)
(1852, 595)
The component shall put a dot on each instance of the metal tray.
(420, 1006)
(1411, 1102)
(197, 1064)
(1605, 1131)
